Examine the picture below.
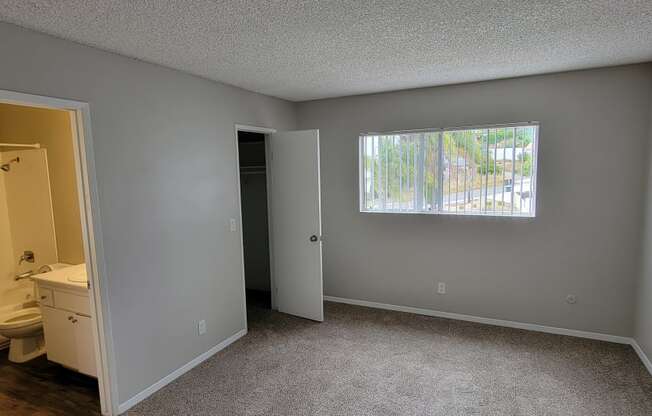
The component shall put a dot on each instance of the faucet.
(27, 256)
(25, 275)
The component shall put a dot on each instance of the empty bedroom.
(342, 207)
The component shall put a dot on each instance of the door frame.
(268, 177)
(80, 120)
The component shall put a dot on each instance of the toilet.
(24, 328)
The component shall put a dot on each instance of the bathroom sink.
(69, 277)
(77, 274)
(78, 278)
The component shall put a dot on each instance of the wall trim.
(488, 321)
(139, 397)
(641, 354)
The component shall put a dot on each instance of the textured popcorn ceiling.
(301, 50)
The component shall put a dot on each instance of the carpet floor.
(364, 361)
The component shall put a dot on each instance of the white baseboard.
(123, 407)
(641, 354)
(488, 321)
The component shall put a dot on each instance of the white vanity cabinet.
(67, 328)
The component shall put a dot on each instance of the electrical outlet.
(441, 288)
(233, 225)
(571, 299)
(201, 327)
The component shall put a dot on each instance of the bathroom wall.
(10, 291)
(52, 129)
(27, 210)
(7, 285)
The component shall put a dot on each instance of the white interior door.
(295, 223)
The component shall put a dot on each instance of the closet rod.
(32, 146)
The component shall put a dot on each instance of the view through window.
(466, 171)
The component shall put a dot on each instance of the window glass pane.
(473, 171)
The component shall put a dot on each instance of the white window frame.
(441, 131)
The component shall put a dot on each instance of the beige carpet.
(364, 361)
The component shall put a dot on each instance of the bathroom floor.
(40, 387)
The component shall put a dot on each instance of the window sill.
(452, 214)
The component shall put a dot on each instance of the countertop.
(73, 277)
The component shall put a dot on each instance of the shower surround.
(26, 222)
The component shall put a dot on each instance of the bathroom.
(47, 344)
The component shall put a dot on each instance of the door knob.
(313, 238)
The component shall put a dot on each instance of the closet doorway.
(280, 201)
(252, 156)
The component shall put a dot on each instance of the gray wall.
(643, 330)
(585, 239)
(166, 171)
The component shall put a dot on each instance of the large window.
(466, 171)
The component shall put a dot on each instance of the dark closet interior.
(255, 233)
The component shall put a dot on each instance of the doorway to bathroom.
(53, 358)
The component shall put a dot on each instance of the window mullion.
(440, 171)
(415, 168)
(373, 172)
(419, 170)
(400, 173)
(513, 182)
(362, 183)
(502, 176)
(407, 167)
(486, 175)
(386, 177)
(520, 202)
(435, 173)
(479, 171)
(533, 171)
(466, 156)
(493, 205)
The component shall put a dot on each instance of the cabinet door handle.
(43, 297)
(74, 321)
(70, 318)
